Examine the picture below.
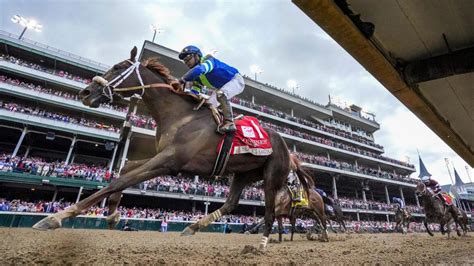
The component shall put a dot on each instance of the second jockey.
(435, 187)
(401, 205)
(328, 202)
(214, 74)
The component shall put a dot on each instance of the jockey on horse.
(435, 187)
(401, 206)
(212, 73)
(328, 202)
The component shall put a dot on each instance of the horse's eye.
(116, 67)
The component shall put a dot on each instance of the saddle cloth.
(250, 137)
(303, 203)
(448, 199)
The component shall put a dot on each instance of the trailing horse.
(186, 143)
(436, 212)
(337, 216)
(463, 221)
(402, 220)
(315, 208)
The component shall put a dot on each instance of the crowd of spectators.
(15, 107)
(372, 205)
(332, 143)
(59, 73)
(62, 94)
(324, 161)
(142, 121)
(198, 186)
(42, 167)
(332, 127)
(42, 206)
(348, 134)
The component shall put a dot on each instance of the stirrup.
(227, 127)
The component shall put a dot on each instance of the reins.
(154, 85)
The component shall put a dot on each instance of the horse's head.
(421, 189)
(102, 89)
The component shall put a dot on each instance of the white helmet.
(425, 178)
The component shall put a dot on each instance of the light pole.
(292, 84)
(27, 23)
(256, 70)
(155, 30)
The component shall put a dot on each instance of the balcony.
(59, 101)
(58, 125)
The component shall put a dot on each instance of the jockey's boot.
(228, 125)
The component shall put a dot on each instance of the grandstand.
(55, 148)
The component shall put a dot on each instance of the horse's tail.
(305, 179)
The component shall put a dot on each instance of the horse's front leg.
(238, 184)
(161, 164)
(113, 201)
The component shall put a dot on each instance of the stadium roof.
(421, 51)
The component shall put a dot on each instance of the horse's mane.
(154, 65)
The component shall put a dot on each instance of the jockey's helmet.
(425, 178)
(190, 49)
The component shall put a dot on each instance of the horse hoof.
(48, 223)
(113, 220)
(188, 232)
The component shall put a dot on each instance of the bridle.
(422, 192)
(110, 87)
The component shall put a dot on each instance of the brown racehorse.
(402, 220)
(435, 211)
(186, 143)
(314, 210)
(463, 221)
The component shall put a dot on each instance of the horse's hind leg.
(427, 228)
(161, 164)
(293, 226)
(238, 183)
(114, 199)
(280, 228)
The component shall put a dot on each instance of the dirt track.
(100, 246)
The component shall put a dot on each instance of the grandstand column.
(388, 218)
(386, 194)
(71, 148)
(356, 164)
(334, 187)
(253, 99)
(194, 206)
(23, 134)
(363, 195)
(401, 194)
(72, 159)
(417, 201)
(356, 194)
(254, 211)
(111, 165)
(55, 194)
(28, 148)
(292, 112)
(329, 157)
(125, 150)
(294, 148)
(358, 216)
(206, 207)
(79, 194)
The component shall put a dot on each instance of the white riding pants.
(235, 86)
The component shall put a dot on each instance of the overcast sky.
(274, 34)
